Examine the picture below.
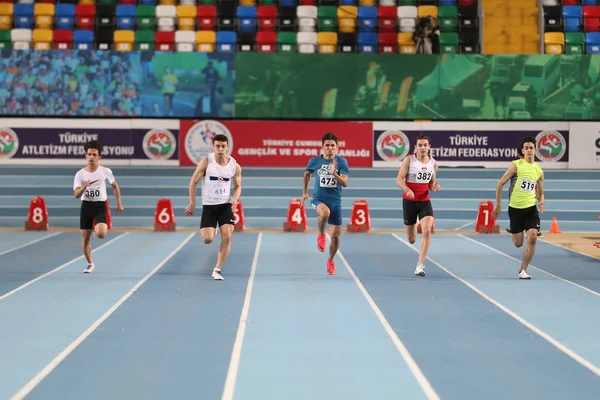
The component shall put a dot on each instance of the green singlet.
(524, 194)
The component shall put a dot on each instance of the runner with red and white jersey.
(89, 185)
(417, 176)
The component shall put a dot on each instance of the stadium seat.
(449, 42)
(205, 41)
(592, 42)
(42, 39)
(226, 41)
(346, 16)
(447, 16)
(347, 43)
(125, 16)
(286, 42)
(574, 42)
(572, 16)
(266, 41)
(591, 16)
(21, 39)
(388, 42)
(185, 40)
(327, 16)
(207, 16)
(387, 16)
(86, 16)
(23, 16)
(406, 44)
(246, 41)
(166, 16)
(407, 18)
(327, 42)
(164, 40)
(367, 42)
(186, 18)
(63, 39)
(145, 17)
(307, 18)
(83, 39)
(554, 42)
(367, 19)
(267, 15)
(307, 42)
(144, 39)
(266, 26)
(65, 16)
(5, 39)
(124, 40)
(6, 15)
(44, 15)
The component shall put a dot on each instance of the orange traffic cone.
(554, 227)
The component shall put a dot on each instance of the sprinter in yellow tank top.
(522, 208)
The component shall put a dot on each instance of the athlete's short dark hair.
(423, 137)
(520, 152)
(329, 136)
(93, 144)
(529, 139)
(220, 138)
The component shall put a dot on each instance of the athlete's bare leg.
(226, 233)
(334, 232)
(323, 212)
(100, 230)
(426, 227)
(517, 239)
(529, 248)
(411, 233)
(86, 244)
(207, 234)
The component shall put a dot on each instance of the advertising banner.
(584, 146)
(474, 144)
(275, 143)
(60, 142)
(106, 83)
(439, 87)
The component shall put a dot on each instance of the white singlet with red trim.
(216, 185)
(97, 189)
(418, 178)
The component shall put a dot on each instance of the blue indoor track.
(150, 323)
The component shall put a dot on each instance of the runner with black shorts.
(217, 170)
(416, 177)
(90, 186)
(522, 210)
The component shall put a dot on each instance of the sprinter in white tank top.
(90, 186)
(217, 171)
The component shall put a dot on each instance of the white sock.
(217, 269)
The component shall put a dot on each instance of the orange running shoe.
(330, 267)
(321, 243)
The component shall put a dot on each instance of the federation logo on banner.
(199, 139)
(9, 143)
(159, 144)
(551, 146)
(392, 145)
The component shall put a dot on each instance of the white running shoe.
(89, 269)
(216, 275)
(420, 271)
(524, 275)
